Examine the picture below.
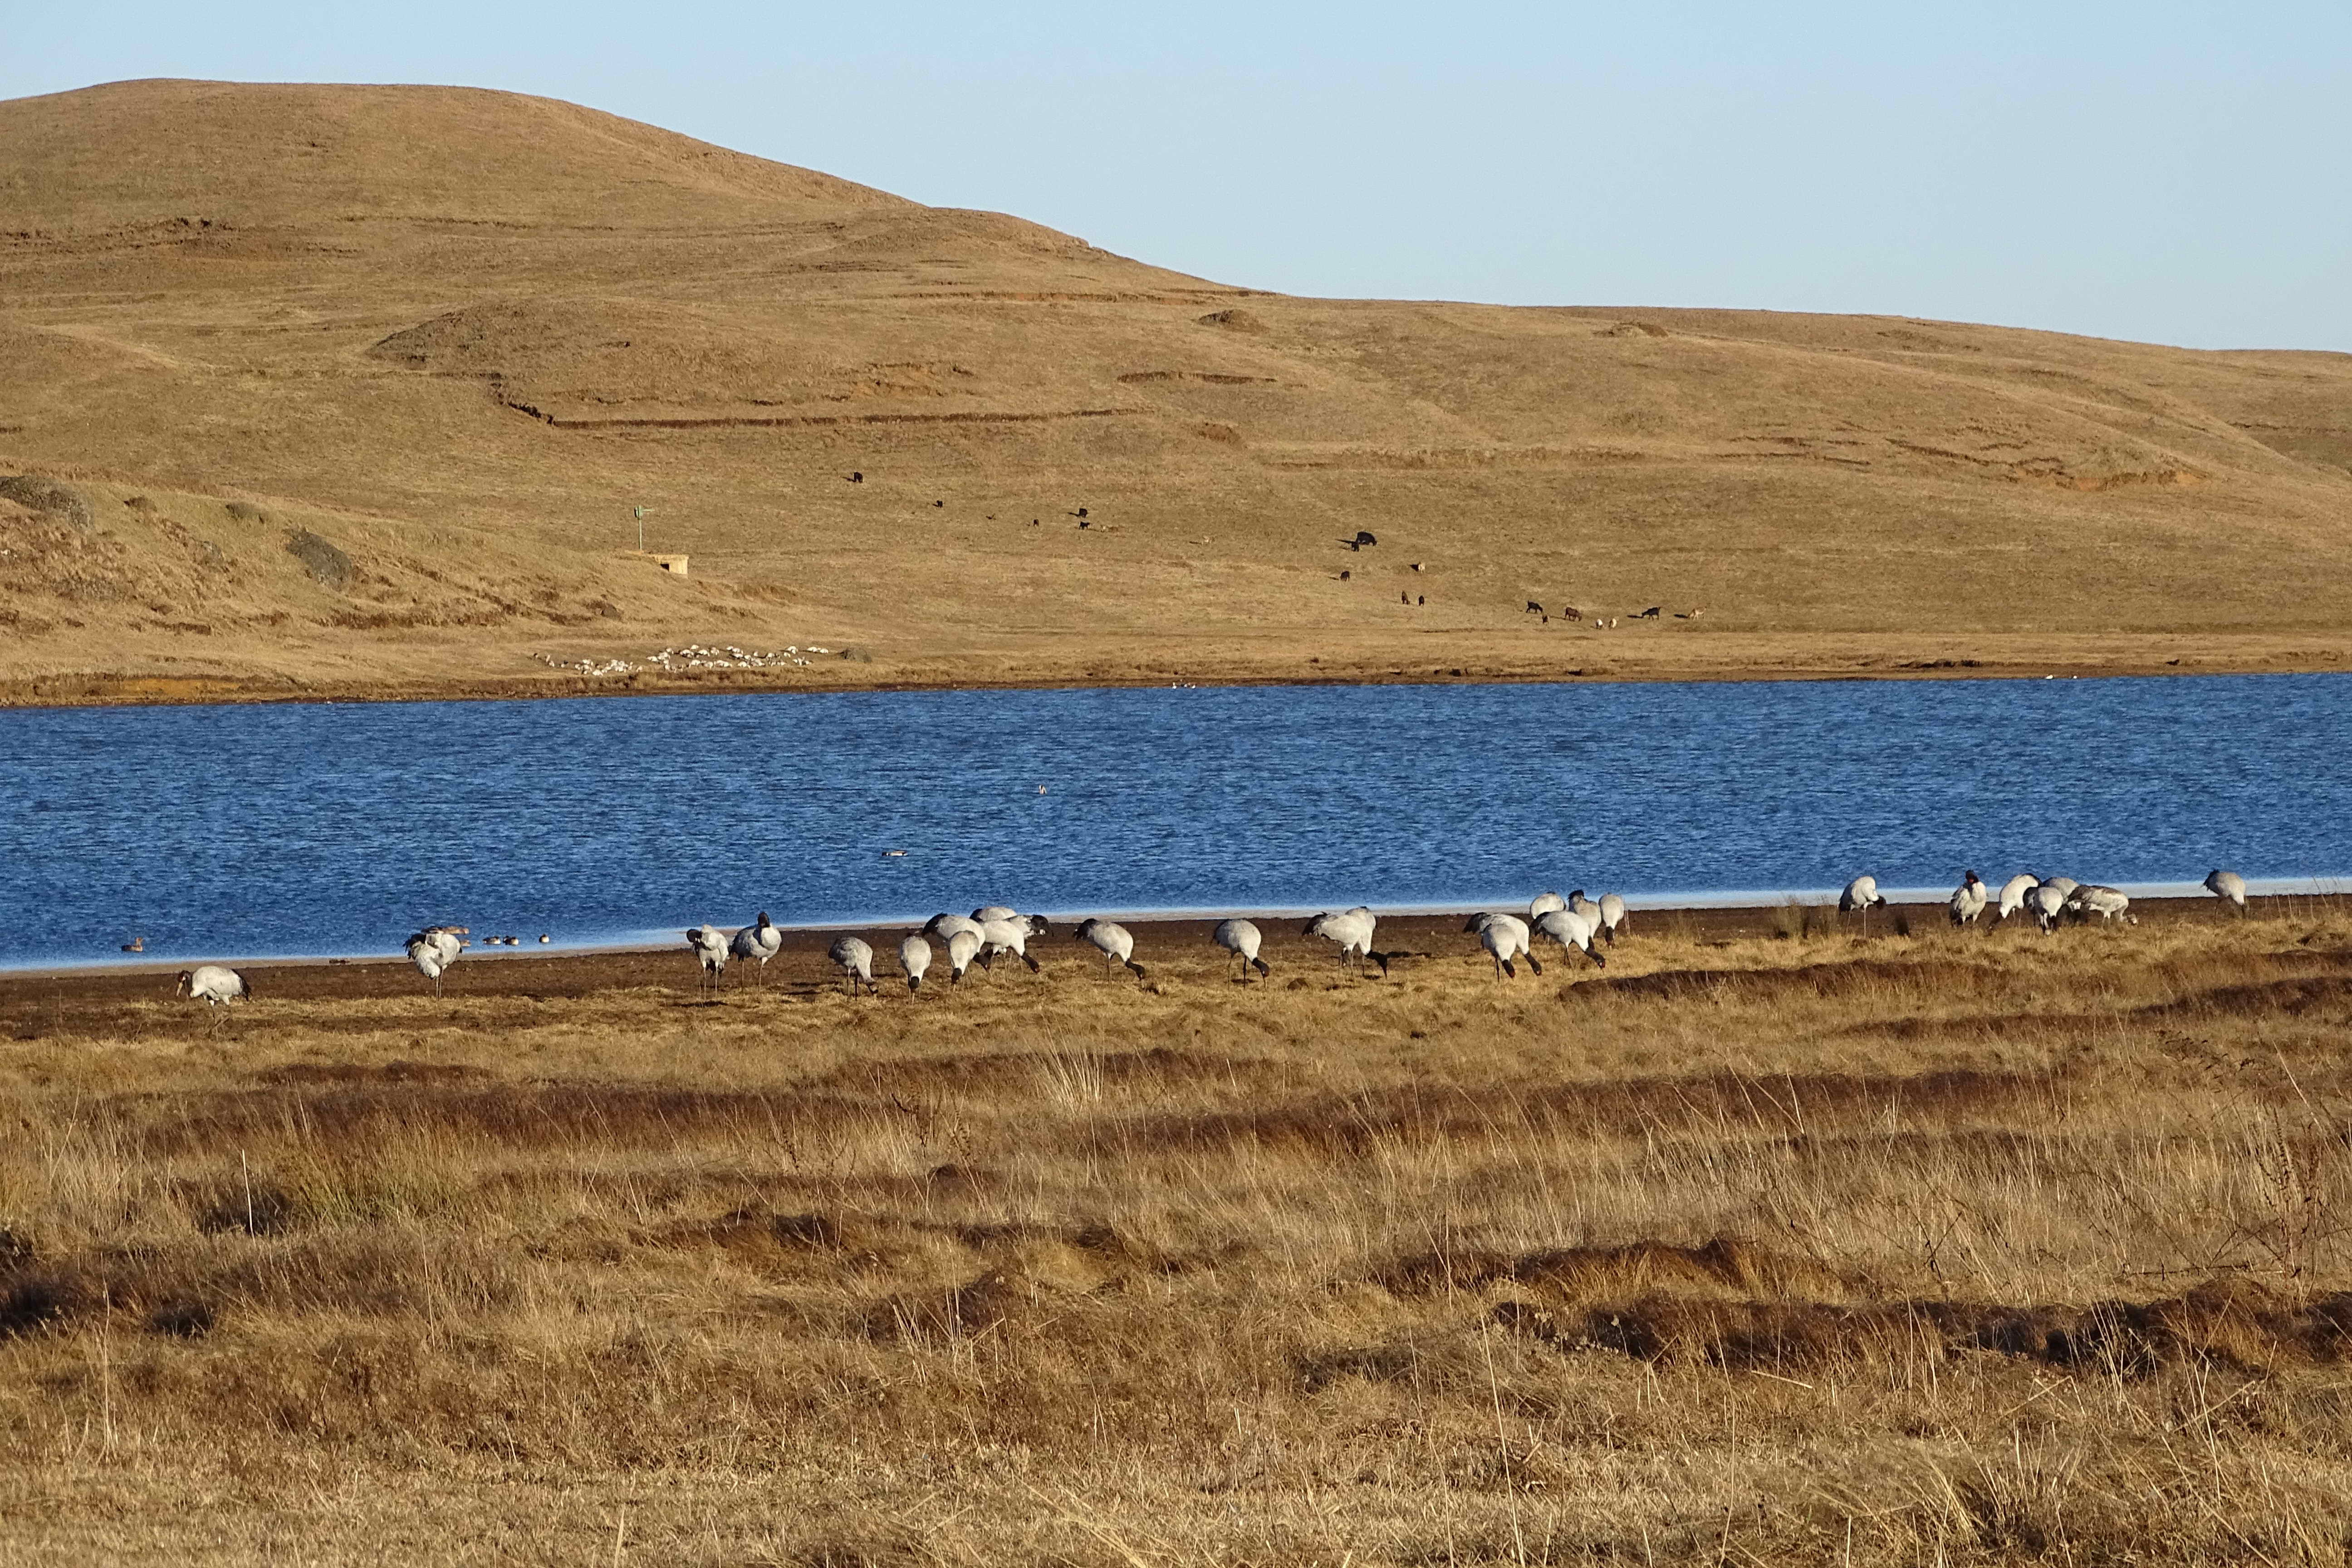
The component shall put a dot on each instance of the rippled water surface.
(336, 828)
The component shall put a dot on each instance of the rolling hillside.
(355, 390)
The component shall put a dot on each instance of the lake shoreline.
(574, 971)
(1670, 661)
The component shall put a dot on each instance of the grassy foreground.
(1976, 1247)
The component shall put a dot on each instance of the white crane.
(1241, 939)
(434, 949)
(2065, 885)
(709, 945)
(1570, 930)
(2107, 903)
(1612, 917)
(1505, 937)
(1543, 904)
(962, 948)
(1862, 894)
(2013, 891)
(1352, 930)
(1968, 900)
(1009, 936)
(761, 942)
(855, 958)
(2228, 887)
(1112, 940)
(214, 983)
(944, 926)
(915, 959)
(2044, 902)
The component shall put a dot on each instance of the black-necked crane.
(1352, 930)
(214, 982)
(2108, 903)
(2013, 894)
(1010, 936)
(434, 949)
(2228, 887)
(1505, 937)
(963, 945)
(2045, 902)
(1570, 930)
(709, 945)
(1543, 904)
(1612, 917)
(1241, 939)
(915, 960)
(1968, 900)
(1862, 894)
(2065, 885)
(1112, 940)
(855, 958)
(758, 942)
(945, 926)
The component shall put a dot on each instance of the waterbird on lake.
(709, 945)
(1352, 930)
(434, 949)
(214, 983)
(1505, 937)
(2109, 904)
(2013, 894)
(915, 960)
(854, 959)
(1112, 940)
(136, 945)
(1241, 939)
(1569, 929)
(1968, 900)
(761, 942)
(2228, 887)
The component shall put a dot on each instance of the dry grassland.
(354, 389)
(1952, 1248)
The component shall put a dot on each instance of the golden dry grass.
(1957, 1248)
(459, 334)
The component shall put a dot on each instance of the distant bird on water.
(139, 944)
(1241, 939)
(214, 983)
(434, 949)
(2228, 887)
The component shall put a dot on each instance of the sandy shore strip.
(801, 965)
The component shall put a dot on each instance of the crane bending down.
(2044, 902)
(1862, 894)
(855, 958)
(434, 949)
(759, 941)
(1112, 940)
(1352, 929)
(915, 960)
(709, 945)
(1570, 930)
(1968, 900)
(2108, 903)
(1010, 936)
(962, 947)
(2013, 894)
(214, 983)
(1505, 937)
(1241, 939)
(2228, 887)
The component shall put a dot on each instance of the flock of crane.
(1573, 923)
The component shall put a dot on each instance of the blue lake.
(255, 831)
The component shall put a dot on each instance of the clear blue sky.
(2171, 172)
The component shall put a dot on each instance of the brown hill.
(357, 388)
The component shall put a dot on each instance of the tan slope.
(461, 335)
